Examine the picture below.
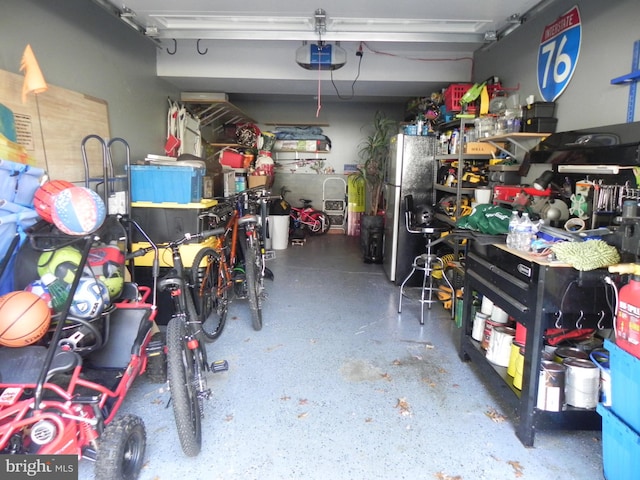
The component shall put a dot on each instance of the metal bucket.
(582, 385)
(499, 350)
(551, 386)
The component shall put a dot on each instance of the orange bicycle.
(235, 264)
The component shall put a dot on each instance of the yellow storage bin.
(187, 251)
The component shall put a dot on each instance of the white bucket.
(279, 231)
(483, 195)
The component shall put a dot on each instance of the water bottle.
(513, 225)
(525, 232)
(58, 289)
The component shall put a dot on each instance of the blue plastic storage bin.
(624, 369)
(620, 447)
(163, 183)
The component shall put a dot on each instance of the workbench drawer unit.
(532, 292)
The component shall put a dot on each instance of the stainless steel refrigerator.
(410, 170)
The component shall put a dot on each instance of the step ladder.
(334, 203)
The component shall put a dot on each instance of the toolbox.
(539, 125)
(539, 110)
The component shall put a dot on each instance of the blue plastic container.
(625, 384)
(163, 183)
(620, 447)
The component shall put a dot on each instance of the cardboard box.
(260, 180)
(479, 148)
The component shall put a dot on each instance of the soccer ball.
(107, 263)
(88, 301)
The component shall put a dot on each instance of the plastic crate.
(164, 222)
(620, 447)
(453, 94)
(162, 183)
(625, 384)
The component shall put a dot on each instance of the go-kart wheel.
(121, 449)
(157, 362)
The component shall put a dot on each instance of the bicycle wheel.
(211, 308)
(184, 396)
(253, 280)
(318, 222)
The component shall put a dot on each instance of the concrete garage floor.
(338, 386)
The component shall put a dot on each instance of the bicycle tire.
(321, 222)
(252, 273)
(211, 308)
(184, 397)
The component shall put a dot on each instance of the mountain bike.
(187, 362)
(236, 262)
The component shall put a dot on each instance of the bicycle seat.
(306, 201)
(245, 219)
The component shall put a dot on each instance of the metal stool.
(426, 262)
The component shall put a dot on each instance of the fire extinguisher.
(627, 323)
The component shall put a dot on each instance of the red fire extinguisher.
(627, 323)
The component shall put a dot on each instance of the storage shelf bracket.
(631, 79)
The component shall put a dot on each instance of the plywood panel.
(66, 118)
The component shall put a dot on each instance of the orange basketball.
(45, 196)
(24, 318)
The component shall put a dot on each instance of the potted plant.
(374, 153)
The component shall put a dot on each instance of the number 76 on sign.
(558, 54)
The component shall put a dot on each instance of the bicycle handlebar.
(186, 238)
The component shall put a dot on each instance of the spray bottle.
(627, 323)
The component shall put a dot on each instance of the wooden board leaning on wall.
(67, 117)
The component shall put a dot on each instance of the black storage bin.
(539, 110)
(164, 223)
(540, 125)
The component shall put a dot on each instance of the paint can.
(563, 353)
(551, 386)
(517, 378)
(582, 384)
(487, 305)
(478, 326)
(521, 333)
(489, 325)
(498, 315)
(513, 357)
(600, 358)
(499, 350)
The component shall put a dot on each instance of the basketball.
(24, 319)
(40, 289)
(78, 211)
(45, 195)
(63, 263)
(88, 302)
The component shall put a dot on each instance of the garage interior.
(337, 384)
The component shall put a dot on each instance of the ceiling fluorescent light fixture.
(596, 169)
(321, 56)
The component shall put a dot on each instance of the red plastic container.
(628, 317)
(453, 94)
(508, 193)
(232, 159)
